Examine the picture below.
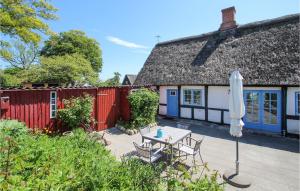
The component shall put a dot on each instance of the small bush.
(12, 128)
(144, 104)
(77, 112)
(76, 162)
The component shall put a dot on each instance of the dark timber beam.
(206, 102)
(283, 111)
(179, 95)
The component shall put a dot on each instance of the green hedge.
(143, 104)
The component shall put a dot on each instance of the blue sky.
(126, 29)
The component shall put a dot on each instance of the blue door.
(263, 110)
(172, 103)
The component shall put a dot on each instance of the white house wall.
(218, 97)
(293, 126)
(199, 114)
(290, 108)
(186, 112)
(163, 98)
(214, 116)
(163, 93)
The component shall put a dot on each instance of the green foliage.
(12, 128)
(74, 162)
(20, 55)
(143, 104)
(77, 112)
(71, 42)
(11, 77)
(64, 70)
(77, 162)
(25, 19)
(114, 81)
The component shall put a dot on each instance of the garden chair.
(190, 150)
(147, 153)
(144, 131)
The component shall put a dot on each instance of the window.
(187, 96)
(173, 93)
(197, 97)
(192, 97)
(53, 103)
(297, 103)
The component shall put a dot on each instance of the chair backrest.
(142, 151)
(198, 144)
(182, 126)
(145, 130)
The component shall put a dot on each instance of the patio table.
(171, 136)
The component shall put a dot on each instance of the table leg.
(142, 139)
(190, 139)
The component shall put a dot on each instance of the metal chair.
(188, 149)
(144, 131)
(148, 154)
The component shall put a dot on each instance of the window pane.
(267, 96)
(53, 114)
(53, 95)
(273, 97)
(274, 104)
(252, 107)
(53, 107)
(197, 97)
(266, 116)
(187, 96)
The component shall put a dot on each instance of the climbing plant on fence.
(77, 112)
(143, 104)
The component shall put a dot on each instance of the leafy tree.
(25, 19)
(68, 69)
(20, 55)
(114, 81)
(71, 42)
(10, 77)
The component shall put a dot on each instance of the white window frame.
(297, 109)
(183, 97)
(51, 104)
(192, 97)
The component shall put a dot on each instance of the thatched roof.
(129, 78)
(265, 52)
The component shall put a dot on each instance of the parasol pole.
(237, 156)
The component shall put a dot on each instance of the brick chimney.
(228, 20)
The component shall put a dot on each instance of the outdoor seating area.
(218, 151)
(173, 143)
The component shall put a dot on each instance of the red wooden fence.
(32, 106)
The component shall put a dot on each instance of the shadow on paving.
(217, 131)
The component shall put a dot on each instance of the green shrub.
(77, 112)
(12, 128)
(144, 104)
(76, 162)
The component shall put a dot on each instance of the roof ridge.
(243, 26)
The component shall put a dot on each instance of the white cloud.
(125, 43)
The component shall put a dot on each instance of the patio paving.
(270, 163)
